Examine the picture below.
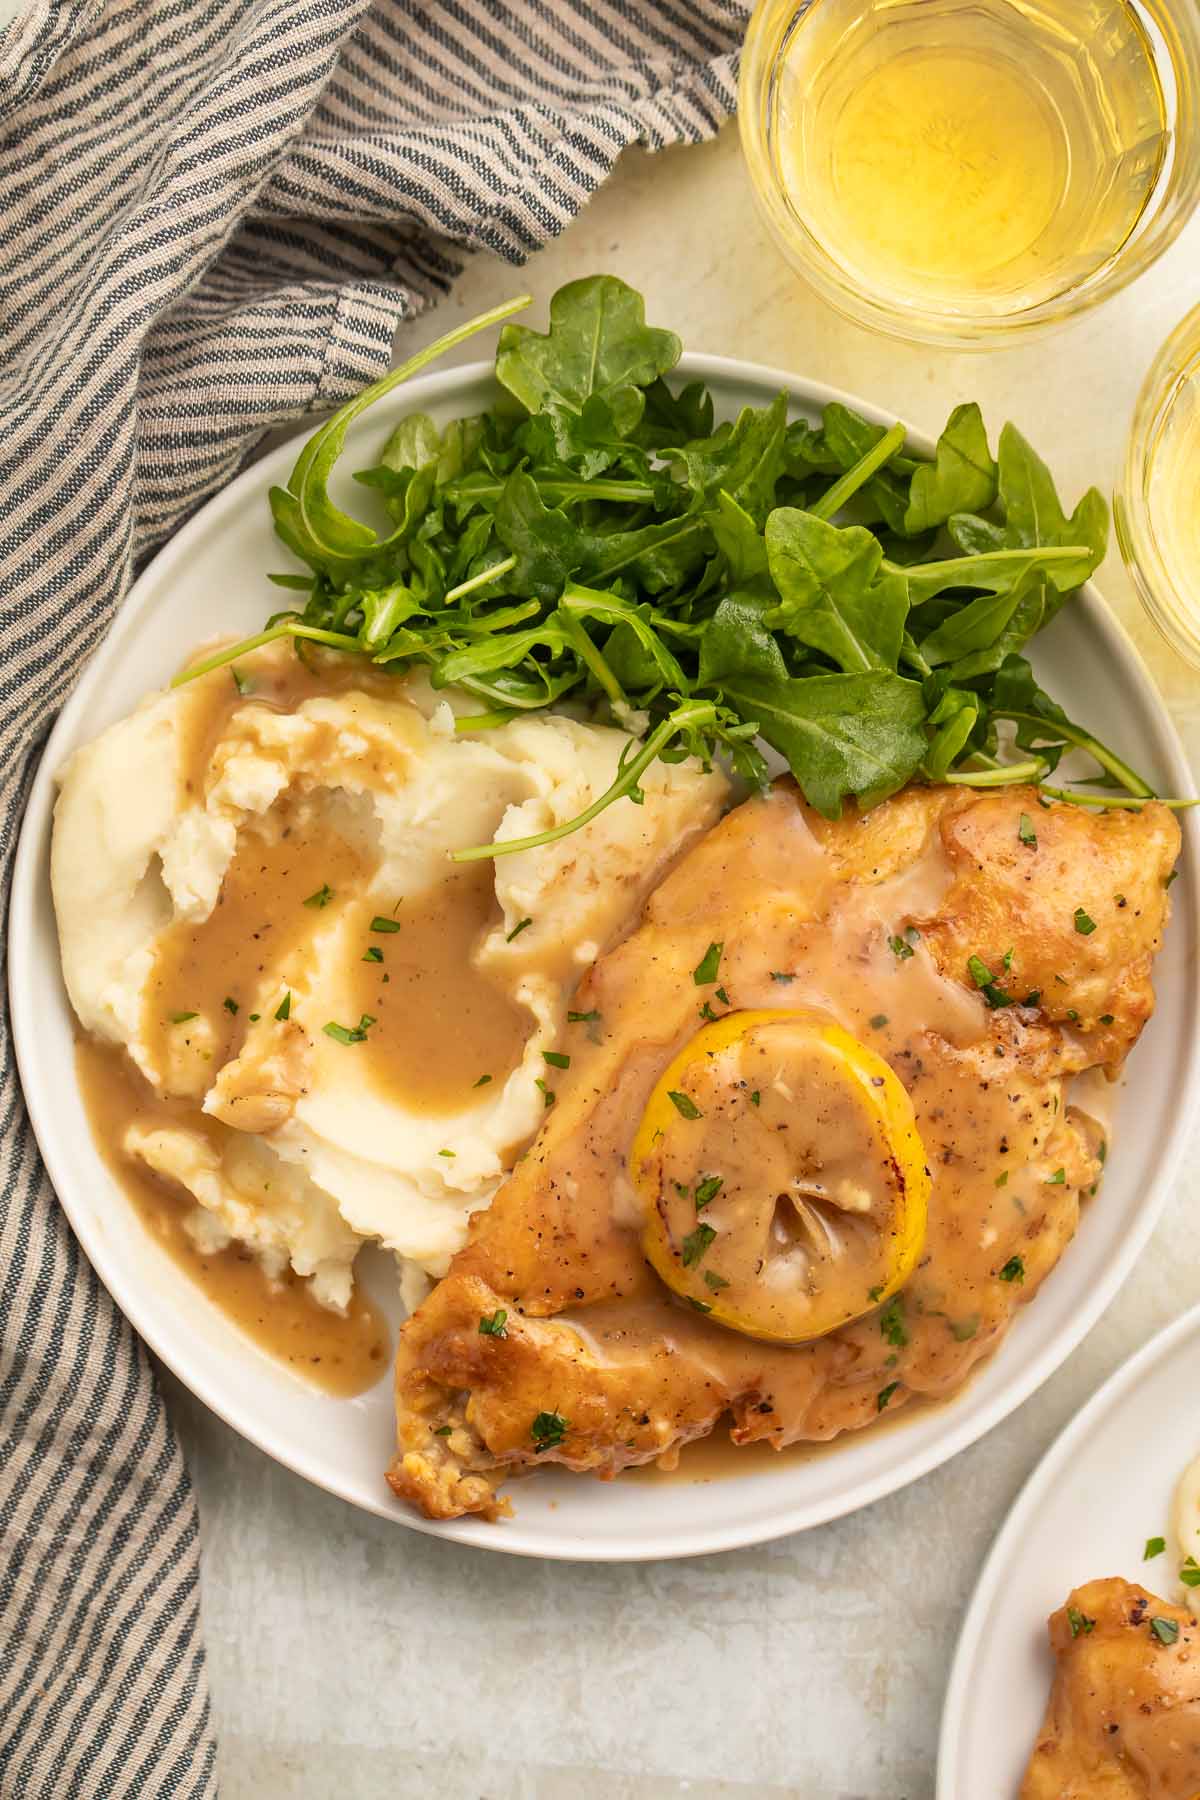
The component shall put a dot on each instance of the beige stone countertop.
(351, 1658)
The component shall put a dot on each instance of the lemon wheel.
(782, 1174)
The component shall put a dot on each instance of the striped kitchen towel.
(213, 213)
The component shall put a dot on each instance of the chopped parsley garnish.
(1083, 925)
(779, 975)
(1079, 1622)
(587, 1018)
(1165, 1630)
(900, 948)
(254, 1018)
(891, 1322)
(1013, 1270)
(723, 997)
(714, 1281)
(985, 981)
(493, 1324)
(964, 1329)
(321, 898)
(386, 926)
(708, 1015)
(1154, 1547)
(1072, 1015)
(182, 1018)
(884, 1395)
(1032, 998)
(1057, 1179)
(1106, 1018)
(548, 1094)
(442, 1431)
(372, 953)
(707, 1191)
(447, 1152)
(556, 1059)
(548, 1431)
(684, 1105)
(1173, 876)
(230, 1005)
(1189, 1574)
(701, 1306)
(1002, 1179)
(705, 971)
(520, 926)
(284, 1009)
(695, 1244)
(349, 1034)
(756, 1098)
(1025, 831)
(1102, 1151)
(483, 1081)
(878, 1022)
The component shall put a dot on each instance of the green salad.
(596, 538)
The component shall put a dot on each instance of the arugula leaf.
(742, 546)
(842, 735)
(832, 597)
(546, 545)
(742, 461)
(962, 478)
(598, 347)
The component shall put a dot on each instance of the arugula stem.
(848, 484)
(1132, 802)
(336, 640)
(623, 493)
(1054, 730)
(486, 721)
(480, 580)
(337, 425)
(1003, 775)
(949, 567)
(692, 715)
(587, 652)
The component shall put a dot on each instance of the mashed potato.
(228, 871)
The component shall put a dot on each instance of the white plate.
(210, 580)
(1103, 1487)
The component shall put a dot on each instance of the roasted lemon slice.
(782, 1174)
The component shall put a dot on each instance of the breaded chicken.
(1123, 1722)
(988, 947)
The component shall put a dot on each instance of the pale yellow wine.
(1173, 497)
(978, 156)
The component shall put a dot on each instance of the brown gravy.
(261, 914)
(441, 1024)
(718, 1458)
(341, 1355)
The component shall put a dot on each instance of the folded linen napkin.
(212, 215)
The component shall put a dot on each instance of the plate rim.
(1042, 1477)
(440, 387)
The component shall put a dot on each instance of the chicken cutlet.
(1123, 1721)
(985, 947)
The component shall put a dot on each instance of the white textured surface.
(350, 1658)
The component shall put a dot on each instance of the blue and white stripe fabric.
(213, 213)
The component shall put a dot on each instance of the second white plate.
(1101, 1490)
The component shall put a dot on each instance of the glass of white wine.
(1158, 503)
(956, 171)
